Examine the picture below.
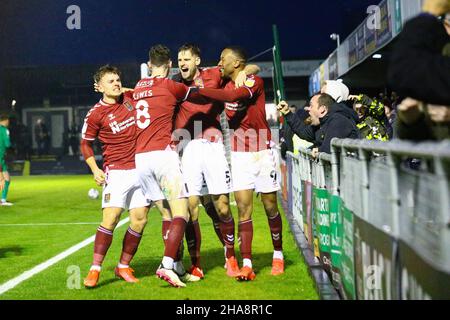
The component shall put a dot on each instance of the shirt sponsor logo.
(144, 83)
(118, 127)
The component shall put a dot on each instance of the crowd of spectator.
(418, 108)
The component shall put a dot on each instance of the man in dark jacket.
(419, 68)
(328, 120)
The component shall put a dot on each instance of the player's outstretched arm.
(88, 153)
(226, 95)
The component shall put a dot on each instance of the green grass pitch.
(63, 200)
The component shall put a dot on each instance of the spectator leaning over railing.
(371, 116)
(328, 120)
(420, 69)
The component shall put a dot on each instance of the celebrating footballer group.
(163, 143)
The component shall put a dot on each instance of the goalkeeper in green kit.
(5, 143)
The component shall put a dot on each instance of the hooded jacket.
(339, 122)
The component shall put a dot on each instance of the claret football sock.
(246, 236)
(227, 230)
(175, 235)
(194, 240)
(130, 245)
(165, 230)
(212, 213)
(103, 239)
(276, 227)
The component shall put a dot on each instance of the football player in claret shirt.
(155, 99)
(254, 164)
(203, 157)
(112, 121)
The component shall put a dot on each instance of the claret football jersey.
(155, 100)
(247, 118)
(114, 125)
(202, 120)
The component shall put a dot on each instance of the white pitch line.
(41, 267)
(46, 224)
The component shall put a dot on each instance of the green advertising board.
(336, 235)
(347, 259)
(322, 218)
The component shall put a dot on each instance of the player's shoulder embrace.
(254, 81)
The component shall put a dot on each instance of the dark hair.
(238, 52)
(194, 49)
(4, 116)
(104, 70)
(159, 55)
(326, 100)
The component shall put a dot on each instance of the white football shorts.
(123, 190)
(160, 175)
(205, 161)
(255, 170)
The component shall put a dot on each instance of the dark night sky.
(34, 32)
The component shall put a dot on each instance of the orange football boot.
(277, 267)
(92, 279)
(126, 274)
(246, 274)
(196, 271)
(232, 267)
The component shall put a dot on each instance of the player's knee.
(221, 209)
(109, 224)
(270, 206)
(138, 225)
(271, 210)
(193, 212)
(245, 211)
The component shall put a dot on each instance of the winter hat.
(337, 89)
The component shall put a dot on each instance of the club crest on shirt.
(249, 82)
(111, 116)
(198, 82)
(128, 105)
(107, 197)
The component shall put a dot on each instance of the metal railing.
(377, 215)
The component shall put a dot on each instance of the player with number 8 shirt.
(158, 164)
